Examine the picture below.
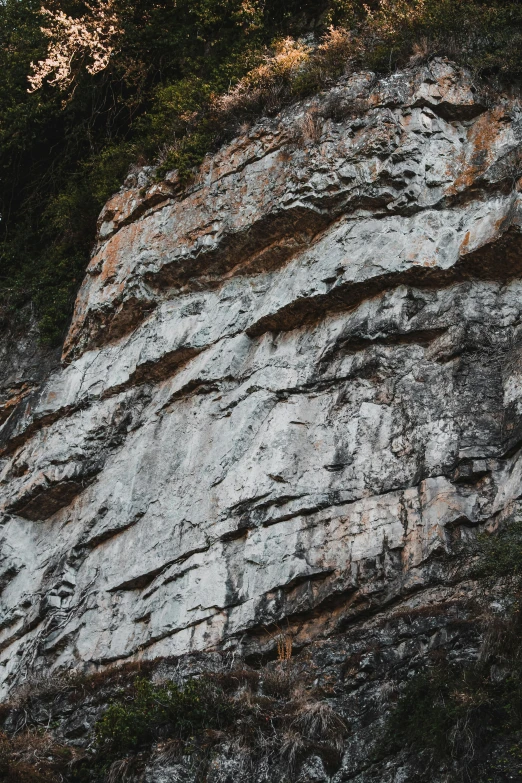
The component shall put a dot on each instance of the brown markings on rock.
(14, 398)
(482, 135)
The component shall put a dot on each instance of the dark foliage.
(63, 155)
(278, 715)
(155, 712)
(459, 715)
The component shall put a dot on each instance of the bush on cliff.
(461, 714)
(233, 707)
(275, 716)
(33, 756)
(64, 152)
(164, 83)
(153, 712)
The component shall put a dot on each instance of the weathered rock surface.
(287, 393)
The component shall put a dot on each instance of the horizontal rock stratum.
(287, 392)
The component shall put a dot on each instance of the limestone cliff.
(288, 393)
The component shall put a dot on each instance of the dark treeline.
(64, 152)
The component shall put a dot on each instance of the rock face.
(287, 393)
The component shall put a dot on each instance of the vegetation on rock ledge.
(276, 714)
(469, 716)
(175, 80)
(460, 716)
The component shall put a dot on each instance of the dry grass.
(276, 717)
(311, 126)
(121, 771)
(266, 82)
(316, 720)
(284, 717)
(293, 68)
(34, 756)
(293, 746)
(284, 648)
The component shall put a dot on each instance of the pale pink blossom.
(91, 39)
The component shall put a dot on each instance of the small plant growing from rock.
(158, 711)
(284, 648)
(455, 714)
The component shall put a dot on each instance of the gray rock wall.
(287, 393)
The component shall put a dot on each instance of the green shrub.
(499, 556)
(62, 155)
(167, 710)
(486, 36)
(456, 714)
